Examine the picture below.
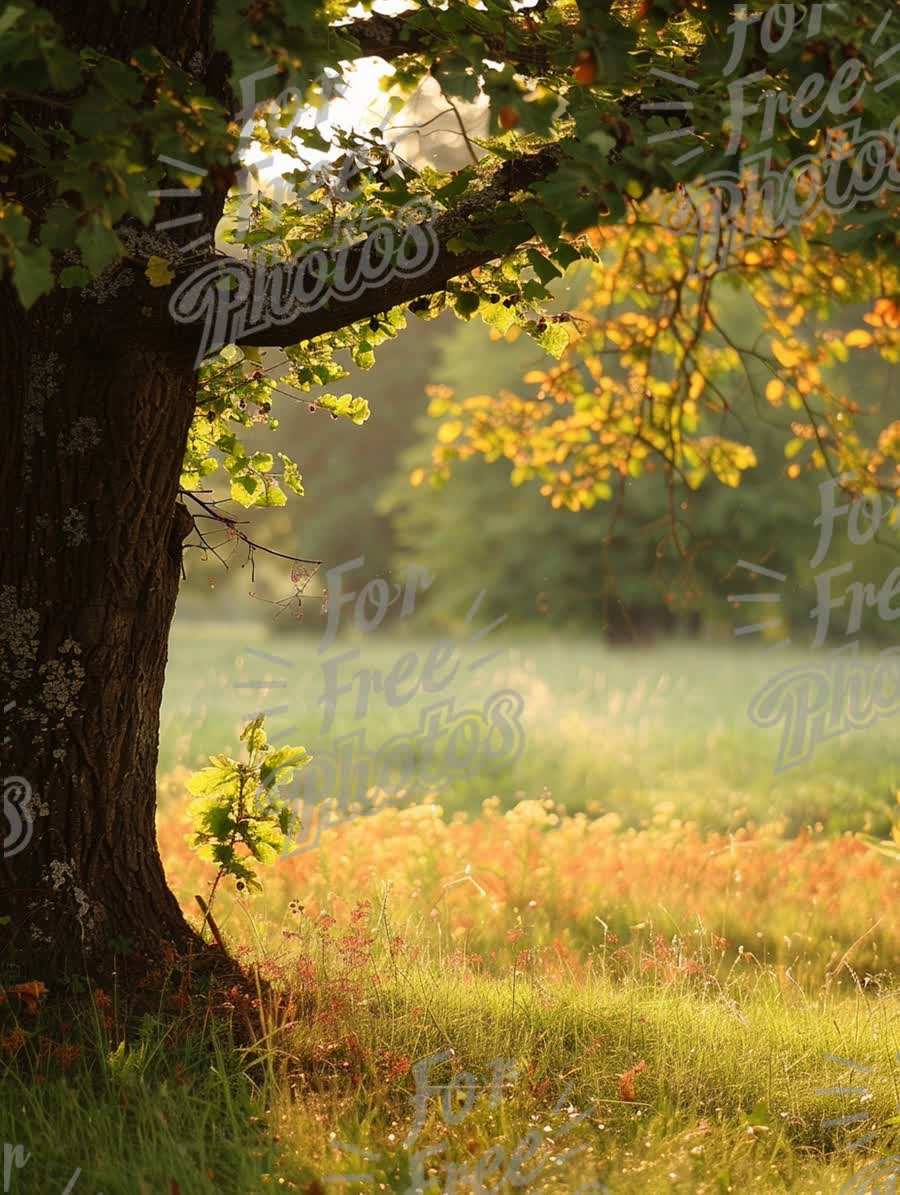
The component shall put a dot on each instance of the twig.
(217, 516)
(208, 917)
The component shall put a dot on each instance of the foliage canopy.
(608, 124)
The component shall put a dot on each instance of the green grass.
(650, 735)
(150, 1119)
(727, 1087)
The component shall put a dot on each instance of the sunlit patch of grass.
(665, 1063)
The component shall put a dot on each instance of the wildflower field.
(639, 960)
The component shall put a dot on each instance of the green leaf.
(254, 734)
(456, 77)
(63, 66)
(99, 245)
(466, 303)
(272, 495)
(278, 764)
(217, 822)
(32, 275)
(602, 141)
(290, 474)
(95, 116)
(454, 188)
(210, 780)
(243, 490)
(262, 462)
(554, 339)
(9, 18)
(60, 227)
(542, 266)
(346, 406)
(498, 315)
(544, 222)
(119, 80)
(565, 255)
(74, 276)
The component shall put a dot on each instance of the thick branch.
(386, 37)
(512, 177)
(390, 38)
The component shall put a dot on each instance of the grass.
(694, 1084)
(647, 735)
(689, 958)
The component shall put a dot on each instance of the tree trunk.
(98, 416)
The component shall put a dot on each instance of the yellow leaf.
(448, 432)
(417, 477)
(774, 391)
(788, 357)
(158, 272)
(858, 339)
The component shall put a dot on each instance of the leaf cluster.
(239, 818)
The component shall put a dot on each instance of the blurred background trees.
(616, 569)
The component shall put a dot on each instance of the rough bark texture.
(96, 429)
(98, 400)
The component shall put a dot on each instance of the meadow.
(638, 959)
(651, 735)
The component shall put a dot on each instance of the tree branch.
(516, 175)
(386, 37)
(390, 38)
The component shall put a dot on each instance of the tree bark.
(91, 560)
